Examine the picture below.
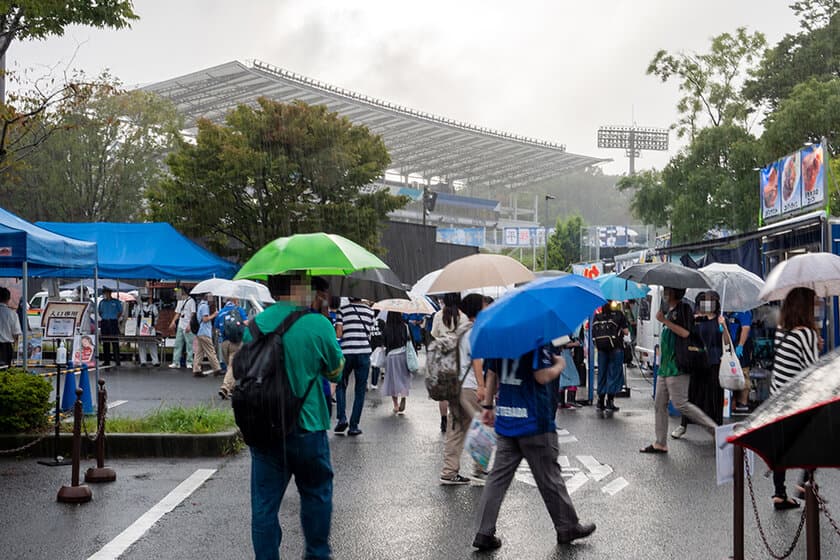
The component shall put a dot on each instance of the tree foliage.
(814, 52)
(811, 112)
(39, 19)
(564, 244)
(97, 164)
(710, 184)
(272, 171)
(709, 83)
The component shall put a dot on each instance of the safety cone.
(68, 396)
(87, 396)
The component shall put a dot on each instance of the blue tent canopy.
(153, 250)
(45, 252)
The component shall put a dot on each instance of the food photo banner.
(794, 183)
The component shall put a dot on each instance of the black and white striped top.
(794, 351)
(356, 321)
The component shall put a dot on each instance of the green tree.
(564, 243)
(814, 52)
(811, 112)
(709, 83)
(272, 171)
(97, 164)
(39, 19)
(711, 184)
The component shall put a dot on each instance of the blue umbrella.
(529, 317)
(619, 289)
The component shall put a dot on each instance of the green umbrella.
(322, 254)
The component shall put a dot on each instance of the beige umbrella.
(413, 305)
(480, 271)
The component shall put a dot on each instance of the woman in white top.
(445, 322)
(796, 348)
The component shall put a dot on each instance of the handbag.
(377, 357)
(730, 374)
(411, 355)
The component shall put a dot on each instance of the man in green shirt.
(677, 321)
(311, 352)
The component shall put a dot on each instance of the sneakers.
(611, 406)
(354, 432)
(479, 478)
(579, 531)
(223, 393)
(189, 365)
(678, 432)
(486, 542)
(454, 480)
(341, 427)
(200, 374)
(174, 366)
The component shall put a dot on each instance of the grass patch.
(199, 419)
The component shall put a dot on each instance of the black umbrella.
(665, 274)
(374, 284)
(799, 427)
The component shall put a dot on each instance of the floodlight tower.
(633, 139)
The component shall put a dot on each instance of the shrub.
(24, 401)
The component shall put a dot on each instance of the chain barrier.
(100, 429)
(40, 438)
(823, 508)
(770, 551)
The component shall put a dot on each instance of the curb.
(132, 445)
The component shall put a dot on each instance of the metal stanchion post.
(100, 473)
(812, 521)
(76, 493)
(58, 460)
(738, 505)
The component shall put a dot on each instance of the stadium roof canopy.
(419, 143)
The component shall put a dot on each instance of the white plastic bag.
(377, 357)
(480, 442)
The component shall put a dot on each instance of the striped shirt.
(356, 321)
(794, 351)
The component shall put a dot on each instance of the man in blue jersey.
(524, 421)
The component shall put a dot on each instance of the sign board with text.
(794, 183)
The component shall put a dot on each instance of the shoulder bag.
(730, 374)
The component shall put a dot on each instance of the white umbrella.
(817, 271)
(413, 305)
(421, 288)
(738, 287)
(240, 289)
(209, 286)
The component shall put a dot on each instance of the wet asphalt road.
(388, 503)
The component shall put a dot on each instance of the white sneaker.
(189, 365)
(678, 432)
(174, 366)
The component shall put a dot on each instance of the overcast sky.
(554, 70)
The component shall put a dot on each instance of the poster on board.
(771, 202)
(84, 349)
(791, 183)
(813, 175)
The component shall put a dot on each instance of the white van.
(648, 329)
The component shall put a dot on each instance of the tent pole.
(25, 303)
(96, 325)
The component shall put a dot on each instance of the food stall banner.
(795, 183)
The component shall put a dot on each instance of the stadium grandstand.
(473, 170)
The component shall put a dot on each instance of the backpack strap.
(287, 323)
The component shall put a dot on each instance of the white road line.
(563, 461)
(566, 439)
(132, 534)
(563, 432)
(601, 472)
(589, 461)
(615, 486)
(526, 477)
(576, 482)
(115, 404)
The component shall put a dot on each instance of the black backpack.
(264, 406)
(194, 323)
(233, 327)
(690, 353)
(606, 333)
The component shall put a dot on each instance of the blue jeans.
(358, 364)
(610, 371)
(307, 457)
